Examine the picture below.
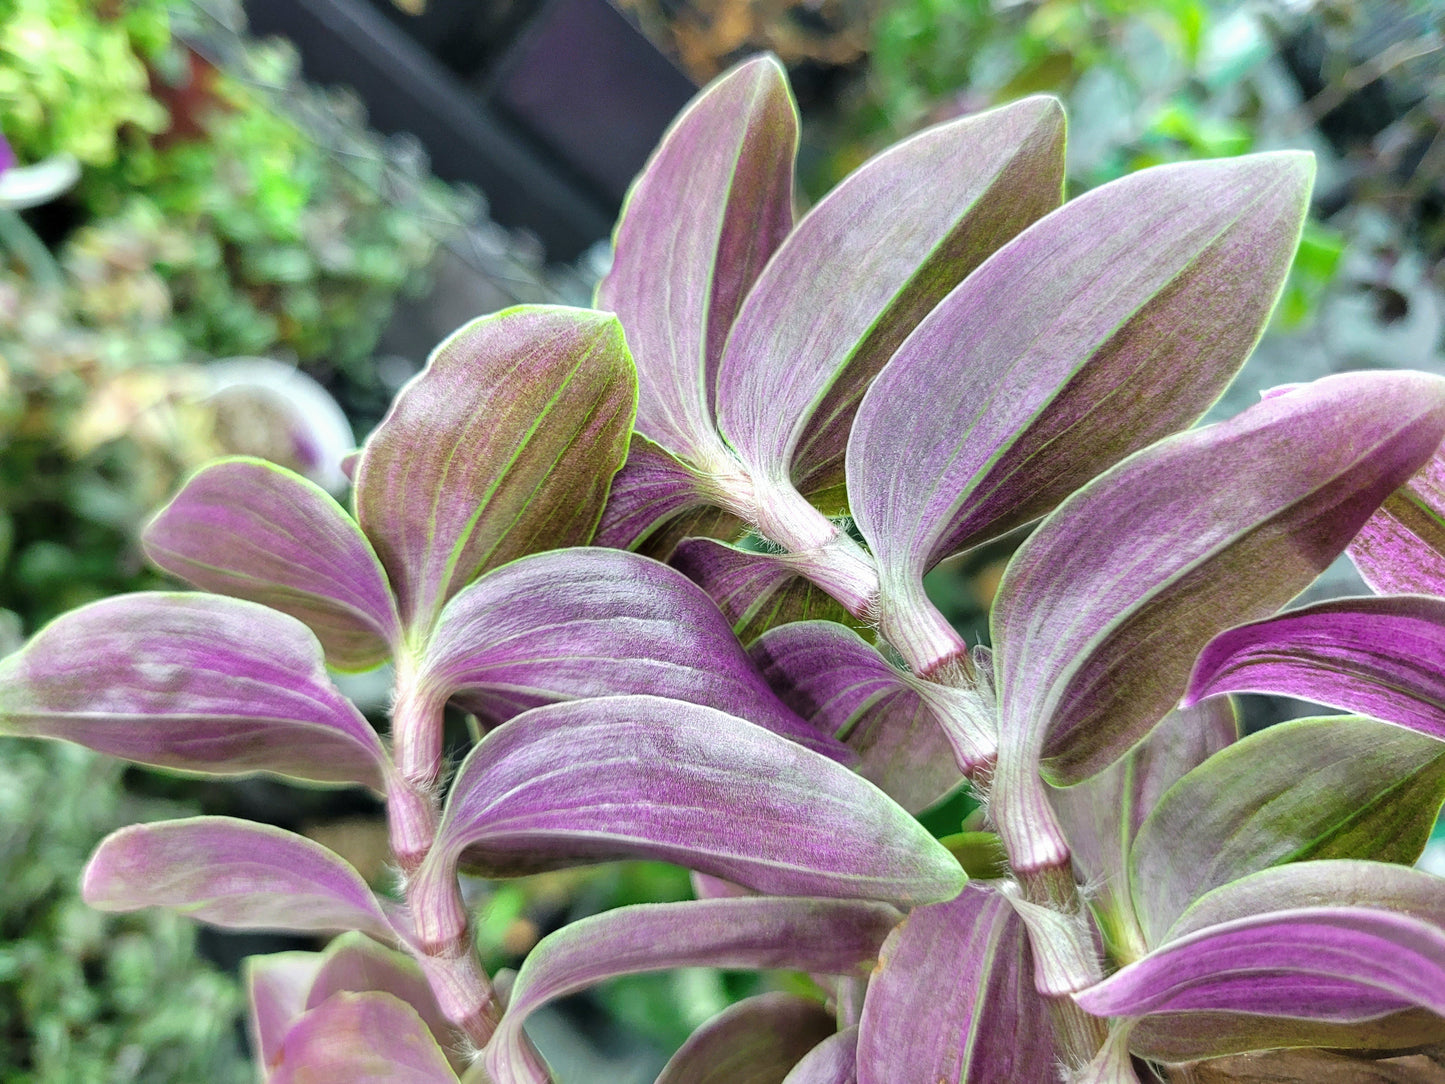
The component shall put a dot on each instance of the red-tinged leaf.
(370, 1038)
(1104, 609)
(863, 268)
(231, 873)
(580, 623)
(703, 217)
(641, 776)
(1115, 321)
(1336, 787)
(253, 530)
(194, 682)
(825, 936)
(756, 1041)
(1401, 548)
(1379, 656)
(953, 1000)
(504, 445)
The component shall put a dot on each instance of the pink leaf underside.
(232, 873)
(643, 776)
(194, 682)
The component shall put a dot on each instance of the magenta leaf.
(1102, 612)
(953, 999)
(856, 275)
(194, 682)
(1294, 955)
(822, 936)
(756, 1041)
(233, 873)
(253, 530)
(366, 1038)
(842, 685)
(756, 591)
(504, 445)
(641, 776)
(704, 216)
(581, 623)
(656, 501)
(1111, 323)
(1102, 815)
(1401, 548)
(1335, 787)
(1380, 656)
(276, 988)
(1335, 964)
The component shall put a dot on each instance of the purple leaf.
(276, 988)
(194, 682)
(1102, 815)
(704, 216)
(1401, 548)
(1379, 656)
(1115, 321)
(232, 873)
(595, 622)
(827, 936)
(1336, 964)
(953, 999)
(756, 591)
(1103, 610)
(640, 776)
(253, 530)
(504, 445)
(839, 683)
(370, 1038)
(756, 1041)
(1285, 889)
(860, 271)
(1336, 787)
(833, 1061)
(656, 501)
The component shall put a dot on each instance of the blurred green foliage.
(297, 238)
(1143, 84)
(85, 997)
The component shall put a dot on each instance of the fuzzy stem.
(442, 944)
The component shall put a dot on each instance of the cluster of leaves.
(937, 354)
(71, 79)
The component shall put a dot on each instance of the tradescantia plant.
(936, 354)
